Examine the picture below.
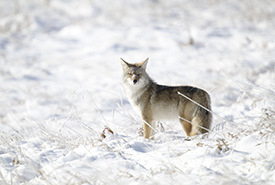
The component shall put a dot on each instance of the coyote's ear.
(144, 64)
(124, 64)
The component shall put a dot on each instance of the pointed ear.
(144, 64)
(124, 64)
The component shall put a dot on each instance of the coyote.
(155, 102)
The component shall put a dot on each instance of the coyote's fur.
(155, 102)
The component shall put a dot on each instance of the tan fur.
(155, 102)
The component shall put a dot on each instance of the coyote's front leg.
(146, 130)
(148, 124)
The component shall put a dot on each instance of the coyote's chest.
(137, 98)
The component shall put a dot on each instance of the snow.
(65, 118)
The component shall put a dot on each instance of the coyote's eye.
(130, 74)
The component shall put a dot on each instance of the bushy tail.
(201, 118)
(208, 115)
(203, 115)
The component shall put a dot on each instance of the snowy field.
(64, 116)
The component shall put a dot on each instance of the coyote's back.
(153, 102)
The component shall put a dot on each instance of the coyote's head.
(134, 73)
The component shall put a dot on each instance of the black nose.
(135, 81)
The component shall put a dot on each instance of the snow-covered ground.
(65, 119)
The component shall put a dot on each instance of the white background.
(60, 91)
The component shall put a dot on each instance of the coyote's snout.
(155, 102)
(134, 77)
